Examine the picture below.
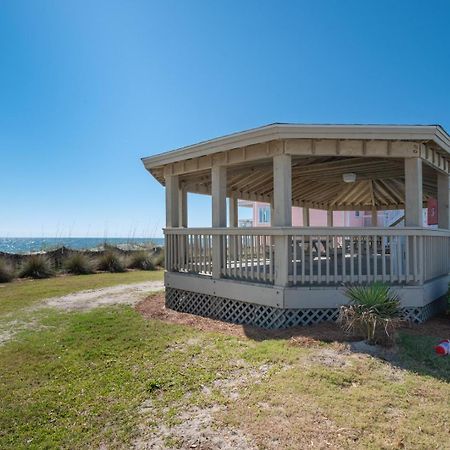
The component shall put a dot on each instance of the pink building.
(261, 215)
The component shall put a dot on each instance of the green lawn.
(23, 293)
(108, 377)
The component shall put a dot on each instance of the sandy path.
(123, 294)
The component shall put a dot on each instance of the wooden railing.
(311, 256)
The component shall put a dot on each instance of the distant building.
(261, 216)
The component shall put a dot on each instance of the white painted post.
(233, 219)
(282, 190)
(183, 223)
(374, 217)
(219, 214)
(443, 194)
(282, 196)
(330, 219)
(413, 206)
(305, 217)
(172, 201)
(182, 204)
(413, 192)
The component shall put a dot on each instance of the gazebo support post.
(233, 218)
(413, 192)
(329, 218)
(172, 201)
(305, 217)
(443, 188)
(282, 196)
(182, 205)
(219, 214)
(374, 217)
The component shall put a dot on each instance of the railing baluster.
(399, 259)
(319, 260)
(294, 259)
(407, 241)
(335, 250)
(271, 277)
(368, 259)
(303, 259)
(375, 258)
(344, 251)
(352, 262)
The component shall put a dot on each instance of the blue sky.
(89, 87)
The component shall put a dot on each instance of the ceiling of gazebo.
(317, 182)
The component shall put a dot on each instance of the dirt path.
(123, 294)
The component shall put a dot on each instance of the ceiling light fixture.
(349, 177)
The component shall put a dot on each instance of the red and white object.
(443, 348)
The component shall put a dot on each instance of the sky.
(87, 88)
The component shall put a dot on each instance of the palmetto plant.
(373, 310)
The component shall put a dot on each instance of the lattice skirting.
(239, 312)
(421, 314)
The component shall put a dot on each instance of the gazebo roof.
(321, 154)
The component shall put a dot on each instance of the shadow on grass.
(414, 350)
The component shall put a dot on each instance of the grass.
(81, 379)
(24, 293)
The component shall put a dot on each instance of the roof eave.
(266, 133)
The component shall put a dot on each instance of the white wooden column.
(182, 205)
(374, 217)
(233, 218)
(443, 191)
(172, 201)
(330, 219)
(413, 192)
(305, 217)
(219, 214)
(282, 190)
(282, 196)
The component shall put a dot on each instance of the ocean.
(28, 245)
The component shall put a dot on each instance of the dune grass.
(23, 293)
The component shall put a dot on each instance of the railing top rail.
(309, 231)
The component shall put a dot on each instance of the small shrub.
(6, 272)
(79, 264)
(37, 266)
(142, 261)
(110, 261)
(373, 311)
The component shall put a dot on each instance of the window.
(356, 213)
(264, 214)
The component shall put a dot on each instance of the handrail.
(396, 222)
(310, 231)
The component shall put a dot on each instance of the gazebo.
(282, 276)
